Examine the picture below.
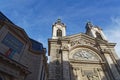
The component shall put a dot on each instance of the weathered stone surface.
(84, 57)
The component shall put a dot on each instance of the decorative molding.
(99, 69)
(65, 47)
(81, 42)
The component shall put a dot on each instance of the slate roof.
(37, 46)
(4, 18)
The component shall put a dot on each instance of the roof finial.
(59, 20)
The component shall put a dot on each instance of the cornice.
(84, 62)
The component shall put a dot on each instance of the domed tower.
(56, 64)
(58, 29)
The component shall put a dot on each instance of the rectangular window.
(13, 43)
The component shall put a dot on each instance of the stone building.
(21, 58)
(83, 56)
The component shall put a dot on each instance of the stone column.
(66, 65)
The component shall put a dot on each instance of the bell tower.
(58, 29)
(94, 31)
(58, 65)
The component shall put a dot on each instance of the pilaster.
(112, 66)
(66, 65)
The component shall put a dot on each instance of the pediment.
(83, 39)
(80, 39)
(18, 31)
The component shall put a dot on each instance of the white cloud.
(113, 33)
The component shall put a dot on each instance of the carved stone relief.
(85, 74)
(85, 54)
(90, 75)
(82, 42)
(65, 47)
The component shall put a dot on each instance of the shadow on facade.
(65, 71)
(115, 70)
(112, 71)
(61, 70)
(118, 65)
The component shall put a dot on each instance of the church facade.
(83, 56)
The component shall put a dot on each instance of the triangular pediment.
(83, 39)
(79, 36)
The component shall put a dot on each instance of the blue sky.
(37, 16)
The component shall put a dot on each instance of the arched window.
(59, 33)
(98, 35)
